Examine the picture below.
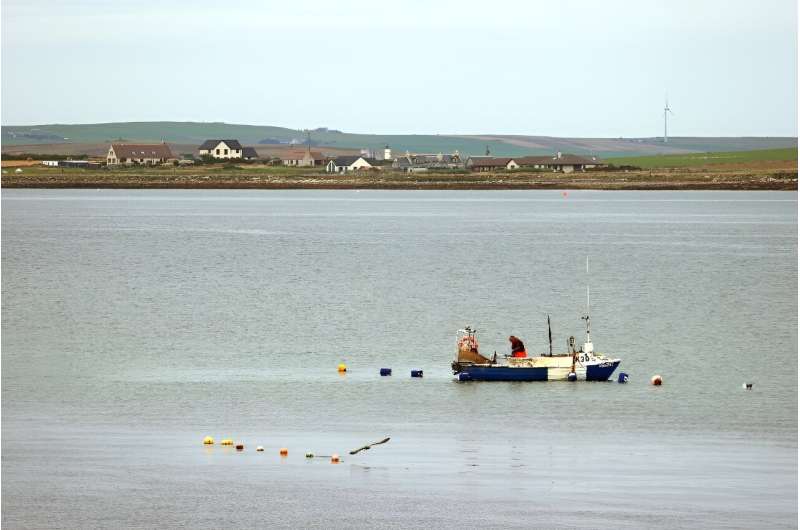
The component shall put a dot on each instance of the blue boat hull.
(502, 373)
(601, 372)
(597, 372)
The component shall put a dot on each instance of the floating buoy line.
(655, 380)
(284, 452)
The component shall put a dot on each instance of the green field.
(197, 132)
(707, 159)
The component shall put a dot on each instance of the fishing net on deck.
(468, 351)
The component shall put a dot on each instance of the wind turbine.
(666, 110)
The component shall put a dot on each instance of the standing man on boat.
(517, 347)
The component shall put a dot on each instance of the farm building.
(305, 158)
(221, 149)
(415, 162)
(343, 164)
(536, 162)
(249, 153)
(560, 162)
(565, 163)
(144, 154)
(85, 164)
(490, 163)
(50, 163)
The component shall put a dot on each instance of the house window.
(217, 151)
(226, 151)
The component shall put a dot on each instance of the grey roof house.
(343, 164)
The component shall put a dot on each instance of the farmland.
(758, 158)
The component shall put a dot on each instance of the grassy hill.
(194, 133)
(708, 159)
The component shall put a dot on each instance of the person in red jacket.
(517, 347)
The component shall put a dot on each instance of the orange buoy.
(655, 380)
(334, 458)
(284, 451)
(342, 368)
(208, 440)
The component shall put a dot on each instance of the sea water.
(135, 323)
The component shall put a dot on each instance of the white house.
(143, 154)
(343, 164)
(221, 149)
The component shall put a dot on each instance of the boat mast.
(587, 347)
(550, 335)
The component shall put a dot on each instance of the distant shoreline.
(773, 179)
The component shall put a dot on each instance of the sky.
(578, 68)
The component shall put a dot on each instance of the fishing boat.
(582, 364)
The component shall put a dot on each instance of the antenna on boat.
(587, 285)
(550, 335)
(588, 346)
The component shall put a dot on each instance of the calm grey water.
(136, 323)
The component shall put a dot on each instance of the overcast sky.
(562, 68)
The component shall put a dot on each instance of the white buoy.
(747, 386)
(260, 448)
